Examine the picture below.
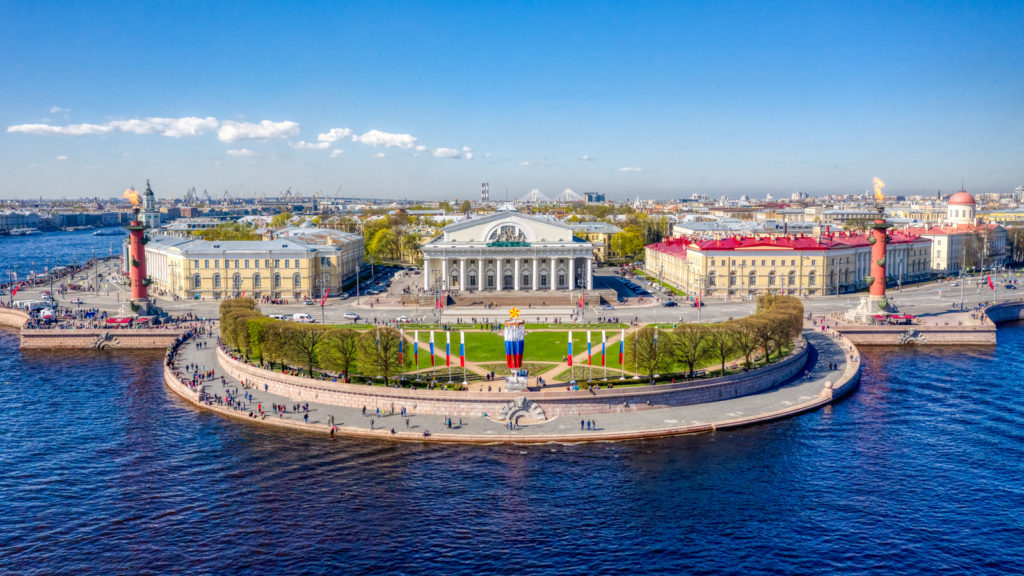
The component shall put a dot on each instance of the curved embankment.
(807, 400)
(553, 402)
(1005, 312)
(12, 318)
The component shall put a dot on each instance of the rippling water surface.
(920, 471)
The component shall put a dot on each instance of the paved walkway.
(799, 394)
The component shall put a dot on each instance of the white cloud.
(420, 148)
(69, 130)
(386, 139)
(336, 153)
(171, 127)
(379, 155)
(58, 109)
(446, 153)
(231, 131)
(526, 163)
(334, 135)
(586, 158)
(241, 152)
(62, 157)
(311, 145)
(631, 169)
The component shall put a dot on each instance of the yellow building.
(284, 268)
(600, 235)
(795, 265)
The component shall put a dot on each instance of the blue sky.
(428, 100)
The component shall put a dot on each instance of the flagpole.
(604, 363)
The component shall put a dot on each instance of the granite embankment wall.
(12, 318)
(1006, 312)
(98, 338)
(553, 402)
(984, 335)
(843, 385)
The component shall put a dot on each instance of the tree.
(744, 339)
(690, 345)
(257, 334)
(761, 328)
(651, 351)
(629, 242)
(378, 352)
(280, 220)
(229, 231)
(384, 244)
(722, 342)
(340, 350)
(306, 342)
(465, 207)
(445, 206)
(274, 343)
(410, 246)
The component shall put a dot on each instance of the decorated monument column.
(515, 340)
(139, 303)
(877, 239)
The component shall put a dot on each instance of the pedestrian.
(581, 424)
(371, 423)
(406, 422)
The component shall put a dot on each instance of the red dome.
(961, 197)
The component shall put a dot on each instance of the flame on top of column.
(132, 195)
(878, 188)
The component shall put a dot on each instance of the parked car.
(302, 317)
(1010, 287)
(697, 303)
(350, 316)
(607, 307)
(402, 319)
(308, 302)
(670, 304)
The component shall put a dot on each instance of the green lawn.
(541, 346)
(534, 368)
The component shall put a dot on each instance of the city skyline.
(422, 102)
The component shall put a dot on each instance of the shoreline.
(799, 398)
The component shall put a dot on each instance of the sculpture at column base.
(875, 303)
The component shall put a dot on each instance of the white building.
(508, 250)
(960, 241)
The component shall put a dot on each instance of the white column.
(535, 278)
(515, 279)
(462, 274)
(444, 272)
(551, 281)
(497, 281)
(426, 273)
(590, 273)
(572, 273)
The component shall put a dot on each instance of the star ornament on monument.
(514, 336)
(514, 312)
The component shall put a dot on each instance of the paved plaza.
(798, 392)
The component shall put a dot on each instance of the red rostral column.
(878, 228)
(137, 265)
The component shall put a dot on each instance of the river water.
(36, 252)
(921, 471)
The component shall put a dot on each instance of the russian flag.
(604, 337)
(448, 349)
(14, 291)
(569, 356)
(590, 359)
(431, 348)
(416, 348)
(622, 347)
(401, 346)
(462, 350)
(324, 301)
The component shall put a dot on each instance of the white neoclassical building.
(508, 250)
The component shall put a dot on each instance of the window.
(771, 278)
(195, 263)
(490, 280)
(526, 280)
(792, 278)
(216, 264)
(752, 278)
(297, 281)
(296, 263)
(543, 279)
(266, 263)
(773, 262)
(216, 280)
(277, 280)
(277, 263)
(762, 263)
(732, 278)
(257, 281)
(236, 265)
(711, 278)
(255, 263)
(472, 280)
(197, 282)
(206, 263)
(247, 263)
(285, 263)
(561, 279)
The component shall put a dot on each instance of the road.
(921, 300)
